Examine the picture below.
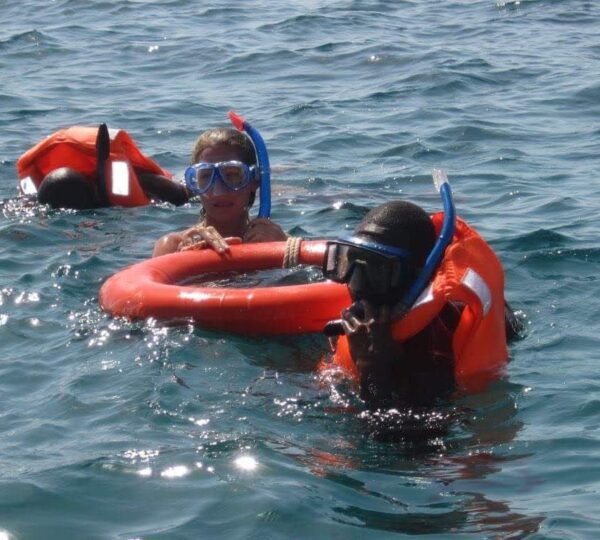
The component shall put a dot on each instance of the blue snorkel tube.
(262, 158)
(440, 180)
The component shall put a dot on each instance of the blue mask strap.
(262, 156)
(440, 180)
(375, 247)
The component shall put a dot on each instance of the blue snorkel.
(262, 158)
(440, 180)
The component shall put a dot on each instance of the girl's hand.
(198, 237)
(203, 244)
(205, 236)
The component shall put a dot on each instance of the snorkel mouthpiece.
(262, 156)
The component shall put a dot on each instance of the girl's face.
(220, 203)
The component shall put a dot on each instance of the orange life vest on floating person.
(75, 147)
(471, 275)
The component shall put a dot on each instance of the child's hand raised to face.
(369, 331)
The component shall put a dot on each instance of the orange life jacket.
(75, 147)
(472, 275)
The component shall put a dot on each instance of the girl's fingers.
(233, 240)
(197, 245)
(209, 235)
(218, 244)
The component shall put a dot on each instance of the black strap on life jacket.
(102, 153)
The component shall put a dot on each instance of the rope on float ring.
(291, 256)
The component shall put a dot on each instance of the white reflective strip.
(120, 178)
(475, 282)
(27, 186)
(112, 133)
(425, 297)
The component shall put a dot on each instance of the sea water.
(112, 429)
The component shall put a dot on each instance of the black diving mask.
(370, 269)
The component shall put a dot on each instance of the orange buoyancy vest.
(471, 275)
(75, 147)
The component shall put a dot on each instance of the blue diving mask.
(234, 175)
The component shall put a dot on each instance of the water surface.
(110, 429)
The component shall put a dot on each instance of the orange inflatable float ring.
(152, 289)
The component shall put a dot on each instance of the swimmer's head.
(225, 137)
(400, 224)
(396, 224)
(239, 145)
(67, 188)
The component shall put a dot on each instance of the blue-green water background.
(117, 430)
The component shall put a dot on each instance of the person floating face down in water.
(84, 168)
(380, 263)
(224, 173)
(66, 187)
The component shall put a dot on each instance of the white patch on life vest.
(112, 133)
(425, 297)
(475, 282)
(27, 186)
(120, 178)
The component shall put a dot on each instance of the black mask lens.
(368, 274)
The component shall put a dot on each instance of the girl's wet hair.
(228, 137)
(400, 224)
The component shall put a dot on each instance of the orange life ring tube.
(150, 289)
